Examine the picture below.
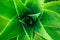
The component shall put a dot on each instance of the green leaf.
(54, 6)
(29, 31)
(51, 19)
(40, 31)
(3, 22)
(13, 28)
(35, 6)
(7, 8)
(38, 37)
(7, 12)
(52, 33)
(21, 9)
(24, 9)
(22, 36)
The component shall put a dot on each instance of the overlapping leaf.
(3, 23)
(7, 8)
(43, 28)
(53, 6)
(52, 20)
(12, 29)
(7, 12)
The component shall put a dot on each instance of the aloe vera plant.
(29, 20)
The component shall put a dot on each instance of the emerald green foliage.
(53, 6)
(29, 19)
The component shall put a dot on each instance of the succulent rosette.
(29, 20)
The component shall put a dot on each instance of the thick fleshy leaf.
(23, 36)
(38, 37)
(54, 6)
(29, 31)
(3, 22)
(51, 19)
(7, 12)
(7, 8)
(21, 9)
(35, 6)
(56, 30)
(52, 33)
(13, 28)
(39, 30)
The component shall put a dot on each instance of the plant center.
(28, 20)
